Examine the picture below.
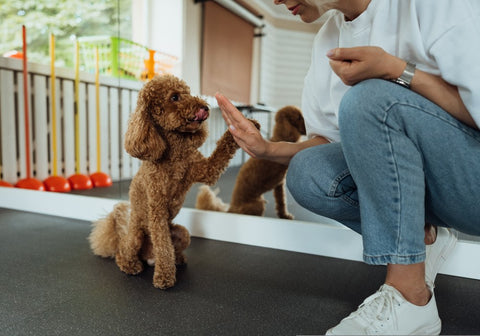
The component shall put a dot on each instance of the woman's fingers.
(347, 54)
(233, 117)
(229, 111)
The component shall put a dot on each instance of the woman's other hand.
(356, 64)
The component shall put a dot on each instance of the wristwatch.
(406, 77)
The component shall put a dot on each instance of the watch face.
(401, 82)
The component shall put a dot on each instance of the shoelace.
(378, 310)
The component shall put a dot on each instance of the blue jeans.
(402, 162)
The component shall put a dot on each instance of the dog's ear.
(142, 139)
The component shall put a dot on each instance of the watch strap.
(406, 77)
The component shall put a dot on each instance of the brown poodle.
(256, 176)
(164, 132)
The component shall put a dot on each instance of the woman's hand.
(248, 137)
(354, 65)
(244, 132)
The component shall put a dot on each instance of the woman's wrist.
(395, 67)
(282, 152)
(270, 151)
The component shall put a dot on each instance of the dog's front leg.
(208, 170)
(129, 246)
(164, 252)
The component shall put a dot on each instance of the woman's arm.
(445, 95)
(282, 152)
(353, 65)
(251, 141)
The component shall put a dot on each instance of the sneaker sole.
(434, 329)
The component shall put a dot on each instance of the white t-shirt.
(441, 36)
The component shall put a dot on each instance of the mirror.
(278, 88)
(88, 138)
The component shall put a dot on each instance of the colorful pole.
(78, 181)
(54, 183)
(97, 108)
(99, 179)
(28, 182)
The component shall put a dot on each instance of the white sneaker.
(438, 252)
(388, 313)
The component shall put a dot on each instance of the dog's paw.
(131, 267)
(163, 283)
(228, 143)
(164, 280)
(286, 216)
(180, 259)
(255, 123)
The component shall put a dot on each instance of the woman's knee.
(312, 171)
(363, 112)
(318, 176)
(358, 102)
(318, 179)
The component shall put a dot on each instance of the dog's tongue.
(201, 115)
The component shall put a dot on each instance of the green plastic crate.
(118, 57)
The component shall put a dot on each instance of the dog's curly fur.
(164, 132)
(256, 176)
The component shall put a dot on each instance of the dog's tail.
(107, 231)
(207, 199)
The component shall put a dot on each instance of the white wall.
(285, 61)
(192, 45)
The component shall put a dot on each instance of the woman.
(392, 109)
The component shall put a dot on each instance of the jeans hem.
(394, 259)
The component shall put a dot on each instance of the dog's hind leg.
(253, 208)
(180, 240)
(281, 202)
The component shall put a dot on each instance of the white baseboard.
(325, 239)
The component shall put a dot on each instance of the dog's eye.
(175, 97)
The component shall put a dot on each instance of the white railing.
(117, 100)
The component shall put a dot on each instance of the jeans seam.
(395, 174)
(349, 200)
(455, 123)
(336, 183)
